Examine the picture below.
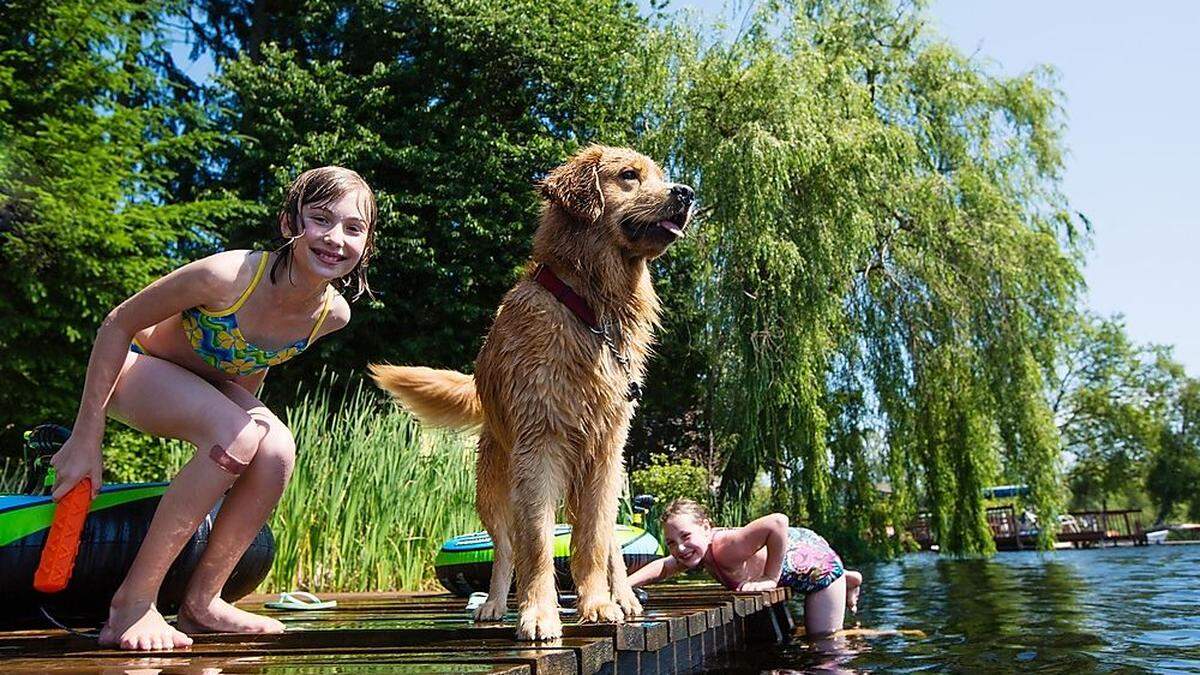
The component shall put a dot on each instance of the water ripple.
(1077, 611)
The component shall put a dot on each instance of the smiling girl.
(183, 359)
(760, 555)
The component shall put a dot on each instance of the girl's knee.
(241, 450)
(278, 445)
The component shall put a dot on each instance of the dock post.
(1103, 523)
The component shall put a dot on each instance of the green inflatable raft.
(117, 521)
(464, 564)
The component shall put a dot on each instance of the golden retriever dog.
(557, 381)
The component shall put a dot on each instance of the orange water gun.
(62, 543)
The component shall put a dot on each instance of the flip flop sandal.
(300, 600)
(476, 601)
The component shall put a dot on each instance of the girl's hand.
(77, 459)
(760, 584)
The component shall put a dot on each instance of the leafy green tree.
(667, 481)
(451, 111)
(1128, 417)
(91, 199)
(1173, 472)
(882, 214)
(1109, 397)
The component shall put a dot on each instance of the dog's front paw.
(600, 611)
(539, 623)
(492, 610)
(628, 602)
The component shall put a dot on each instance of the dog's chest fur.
(542, 373)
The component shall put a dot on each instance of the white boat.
(1157, 536)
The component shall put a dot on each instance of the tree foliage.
(1110, 398)
(869, 310)
(885, 249)
(450, 110)
(92, 203)
(1173, 474)
(1128, 418)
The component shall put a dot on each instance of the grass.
(12, 475)
(372, 498)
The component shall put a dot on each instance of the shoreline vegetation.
(373, 496)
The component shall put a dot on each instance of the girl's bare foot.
(139, 626)
(217, 616)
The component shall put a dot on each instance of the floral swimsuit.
(216, 338)
(809, 563)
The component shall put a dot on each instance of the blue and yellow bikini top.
(219, 342)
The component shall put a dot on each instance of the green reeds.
(372, 498)
(12, 475)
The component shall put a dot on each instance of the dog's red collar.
(580, 308)
(567, 296)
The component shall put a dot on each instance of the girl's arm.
(743, 542)
(660, 569)
(203, 282)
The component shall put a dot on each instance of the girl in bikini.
(761, 555)
(183, 359)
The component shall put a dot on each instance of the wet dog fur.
(548, 397)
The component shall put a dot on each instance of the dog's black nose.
(683, 193)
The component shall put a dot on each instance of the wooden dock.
(433, 633)
(1083, 529)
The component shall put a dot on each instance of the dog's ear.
(575, 186)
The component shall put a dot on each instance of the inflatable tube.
(464, 565)
(116, 524)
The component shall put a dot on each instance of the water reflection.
(1106, 610)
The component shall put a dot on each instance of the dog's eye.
(629, 174)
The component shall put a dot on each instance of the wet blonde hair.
(322, 186)
(685, 507)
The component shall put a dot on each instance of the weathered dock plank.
(290, 663)
(683, 625)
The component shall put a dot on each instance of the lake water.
(1072, 611)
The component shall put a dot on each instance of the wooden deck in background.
(1088, 529)
(433, 633)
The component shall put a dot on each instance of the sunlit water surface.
(1111, 610)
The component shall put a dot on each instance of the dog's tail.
(440, 398)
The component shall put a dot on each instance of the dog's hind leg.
(592, 501)
(536, 481)
(492, 503)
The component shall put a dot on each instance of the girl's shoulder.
(337, 316)
(230, 266)
(339, 312)
(230, 273)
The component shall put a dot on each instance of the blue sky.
(1131, 80)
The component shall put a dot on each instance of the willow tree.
(886, 252)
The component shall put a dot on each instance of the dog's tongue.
(671, 227)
